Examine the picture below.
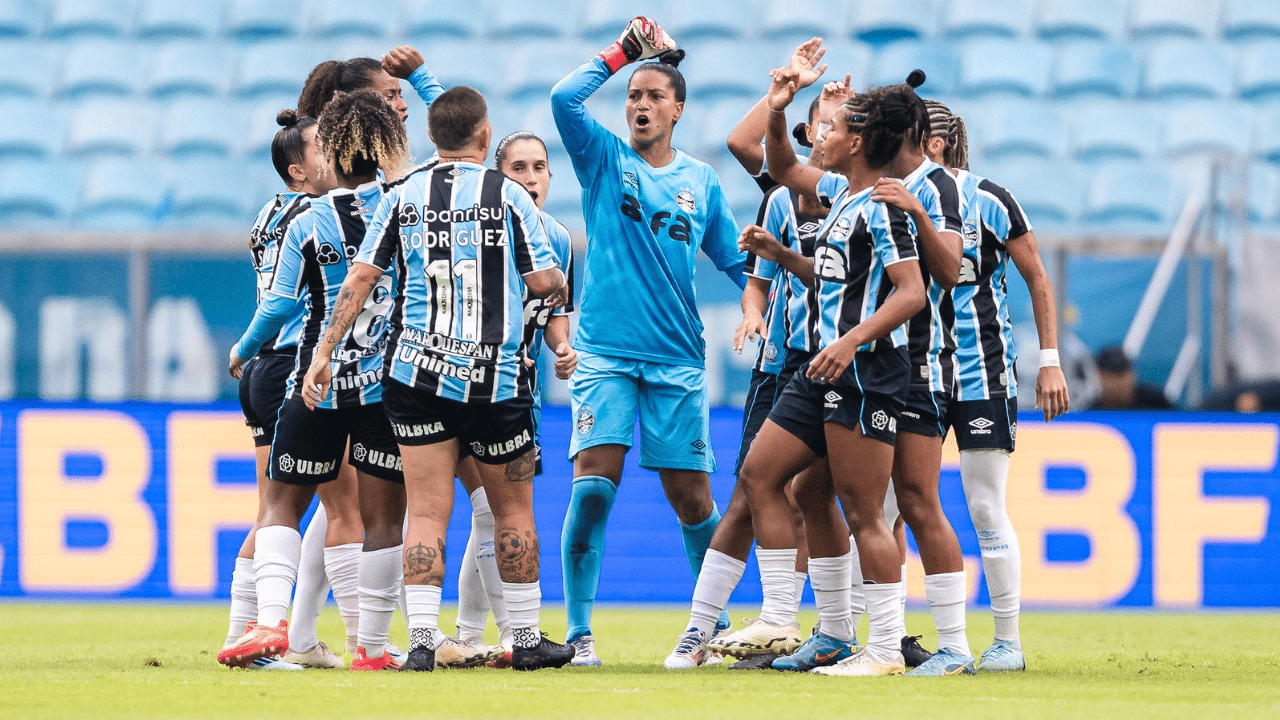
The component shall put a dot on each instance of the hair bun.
(672, 57)
(916, 78)
(287, 118)
(798, 132)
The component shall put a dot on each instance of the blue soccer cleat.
(1002, 656)
(944, 662)
(818, 651)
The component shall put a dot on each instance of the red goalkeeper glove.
(641, 40)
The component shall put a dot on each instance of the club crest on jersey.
(686, 201)
(585, 421)
(970, 235)
(841, 229)
(770, 352)
(359, 452)
(327, 254)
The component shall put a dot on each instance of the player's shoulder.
(417, 174)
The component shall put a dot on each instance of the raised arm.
(746, 137)
(784, 168)
(762, 243)
(406, 63)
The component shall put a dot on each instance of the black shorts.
(494, 433)
(310, 444)
(925, 412)
(805, 406)
(984, 424)
(764, 392)
(262, 386)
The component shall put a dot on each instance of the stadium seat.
(1255, 192)
(29, 129)
(1093, 19)
(534, 67)
(1034, 128)
(708, 19)
(1181, 69)
(27, 68)
(455, 63)
(162, 19)
(842, 56)
(444, 18)
(1183, 18)
(1245, 19)
(1090, 68)
(109, 127)
(201, 126)
(121, 193)
(1259, 72)
(261, 126)
(718, 69)
(189, 67)
(741, 192)
(518, 20)
(799, 20)
(339, 18)
(38, 193)
(1110, 130)
(893, 62)
(1050, 192)
(711, 129)
(210, 193)
(537, 120)
(101, 67)
(882, 21)
(106, 18)
(1206, 128)
(1004, 67)
(259, 19)
(278, 67)
(1130, 196)
(17, 20)
(603, 20)
(964, 19)
(1266, 135)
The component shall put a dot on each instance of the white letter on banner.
(181, 360)
(70, 326)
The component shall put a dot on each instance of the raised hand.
(783, 88)
(805, 62)
(401, 61)
(760, 242)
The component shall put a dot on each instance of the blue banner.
(118, 501)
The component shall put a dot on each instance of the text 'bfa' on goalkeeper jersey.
(644, 227)
(264, 246)
(460, 238)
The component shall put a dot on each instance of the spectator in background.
(1120, 387)
(1250, 397)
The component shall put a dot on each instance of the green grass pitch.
(157, 660)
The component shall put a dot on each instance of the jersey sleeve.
(382, 236)
(947, 215)
(720, 241)
(528, 235)
(774, 218)
(1019, 225)
(830, 186)
(586, 140)
(895, 238)
(562, 245)
(424, 83)
(283, 295)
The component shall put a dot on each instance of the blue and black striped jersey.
(932, 330)
(792, 314)
(264, 246)
(985, 351)
(460, 238)
(536, 312)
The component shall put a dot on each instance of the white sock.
(380, 578)
(483, 527)
(342, 566)
(275, 568)
(857, 596)
(778, 582)
(984, 474)
(946, 595)
(244, 599)
(424, 615)
(888, 626)
(473, 601)
(902, 592)
(312, 587)
(800, 577)
(524, 601)
(720, 574)
(830, 578)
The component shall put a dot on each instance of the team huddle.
(401, 312)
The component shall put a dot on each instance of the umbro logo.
(456, 172)
(834, 397)
(809, 228)
(981, 423)
(699, 447)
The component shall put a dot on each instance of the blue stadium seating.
(201, 126)
(893, 62)
(210, 193)
(444, 18)
(1091, 19)
(164, 19)
(1262, 194)
(17, 19)
(1206, 127)
(1266, 137)
(799, 20)
(1188, 69)
(277, 67)
(549, 19)
(101, 67)
(1050, 192)
(261, 126)
(963, 19)
(38, 193)
(1132, 195)
(262, 19)
(717, 69)
(473, 63)
(603, 20)
(189, 67)
(27, 68)
(121, 194)
(1110, 130)
(107, 18)
(29, 130)
(1034, 128)
(708, 19)
(537, 120)
(1095, 69)
(711, 128)
(881, 21)
(1183, 18)
(110, 127)
(1259, 73)
(1004, 67)
(339, 18)
(534, 67)
(1246, 19)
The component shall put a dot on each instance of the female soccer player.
(648, 207)
(360, 135)
(983, 412)
(380, 76)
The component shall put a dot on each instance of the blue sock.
(697, 538)
(582, 546)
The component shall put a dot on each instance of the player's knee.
(985, 513)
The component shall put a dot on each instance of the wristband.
(1049, 358)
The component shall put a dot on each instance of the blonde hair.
(359, 133)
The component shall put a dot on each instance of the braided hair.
(360, 134)
(951, 128)
(884, 117)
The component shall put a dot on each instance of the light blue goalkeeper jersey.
(645, 225)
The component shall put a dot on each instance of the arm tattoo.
(424, 565)
(344, 314)
(521, 469)
(517, 553)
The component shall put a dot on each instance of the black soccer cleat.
(421, 659)
(913, 653)
(546, 654)
(756, 662)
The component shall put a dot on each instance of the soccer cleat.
(1002, 656)
(455, 653)
(501, 661)
(362, 662)
(397, 653)
(584, 652)
(273, 664)
(690, 652)
(862, 665)
(320, 657)
(421, 659)
(944, 662)
(257, 642)
(546, 654)
(913, 653)
(756, 662)
(758, 638)
(817, 651)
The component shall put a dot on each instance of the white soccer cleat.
(1002, 656)
(584, 652)
(320, 657)
(455, 653)
(861, 664)
(397, 654)
(273, 664)
(758, 638)
(691, 651)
